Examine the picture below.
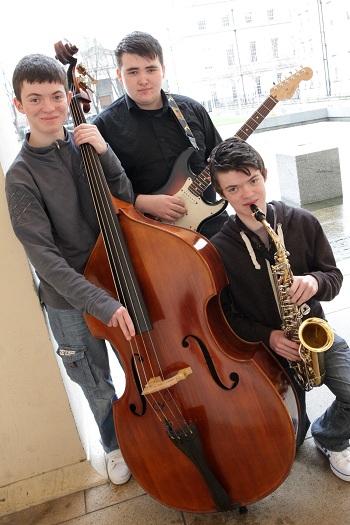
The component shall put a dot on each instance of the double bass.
(207, 421)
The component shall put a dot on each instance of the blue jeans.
(86, 362)
(332, 429)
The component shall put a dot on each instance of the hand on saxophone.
(283, 346)
(303, 288)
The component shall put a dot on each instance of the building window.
(258, 85)
(202, 25)
(248, 17)
(253, 56)
(274, 44)
(230, 56)
(207, 58)
(234, 91)
(214, 95)
(270, 14)
(105, 101)
(225, 21)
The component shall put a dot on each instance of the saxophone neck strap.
(255, 240)
(181, 120)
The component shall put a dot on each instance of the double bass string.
(107, 221)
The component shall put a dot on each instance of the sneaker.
(339, 461)
(117, 469)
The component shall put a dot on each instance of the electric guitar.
(190, 187)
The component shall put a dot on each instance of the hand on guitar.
(88, 133)
(167, 207)
(122, 318)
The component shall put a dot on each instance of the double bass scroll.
(220, 435)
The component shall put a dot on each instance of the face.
(142, 80)
(241, 190)
(45, 106)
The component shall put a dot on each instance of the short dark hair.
(234, 154)
(38, 68)
(139, 43)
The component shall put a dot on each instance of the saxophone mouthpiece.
(257, 213)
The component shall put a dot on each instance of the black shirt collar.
(131, 104)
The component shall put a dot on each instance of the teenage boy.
(238, 174)
(53, 216)
(146, 133)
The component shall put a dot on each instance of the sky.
(34, 27)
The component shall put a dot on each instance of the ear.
(119, 75)
(69, 97)
(163, 70)
(18, 105)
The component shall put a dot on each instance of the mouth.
(49, 119)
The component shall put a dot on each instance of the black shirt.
(148, 142)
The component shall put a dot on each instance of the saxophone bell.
(315, 336)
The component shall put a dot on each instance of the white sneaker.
(117, 469)
(339, 461)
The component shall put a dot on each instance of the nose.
(143, 81)
(48, 105)
(247, 190)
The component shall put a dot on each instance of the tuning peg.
(84, 85)
(83, 71)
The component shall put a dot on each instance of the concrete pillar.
(307, 174)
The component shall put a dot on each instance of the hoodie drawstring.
(250, 250)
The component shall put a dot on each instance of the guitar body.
(179, 184)
(182, 181)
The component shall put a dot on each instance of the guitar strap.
(182, 121)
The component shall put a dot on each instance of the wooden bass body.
(235, 412)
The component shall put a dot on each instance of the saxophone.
(314, 334)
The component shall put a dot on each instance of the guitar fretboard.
(202, 181)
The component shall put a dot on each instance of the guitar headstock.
(287, 87)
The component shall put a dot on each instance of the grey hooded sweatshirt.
(53, 216)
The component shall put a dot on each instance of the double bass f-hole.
(202, 424)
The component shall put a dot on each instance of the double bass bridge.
(155, 384)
